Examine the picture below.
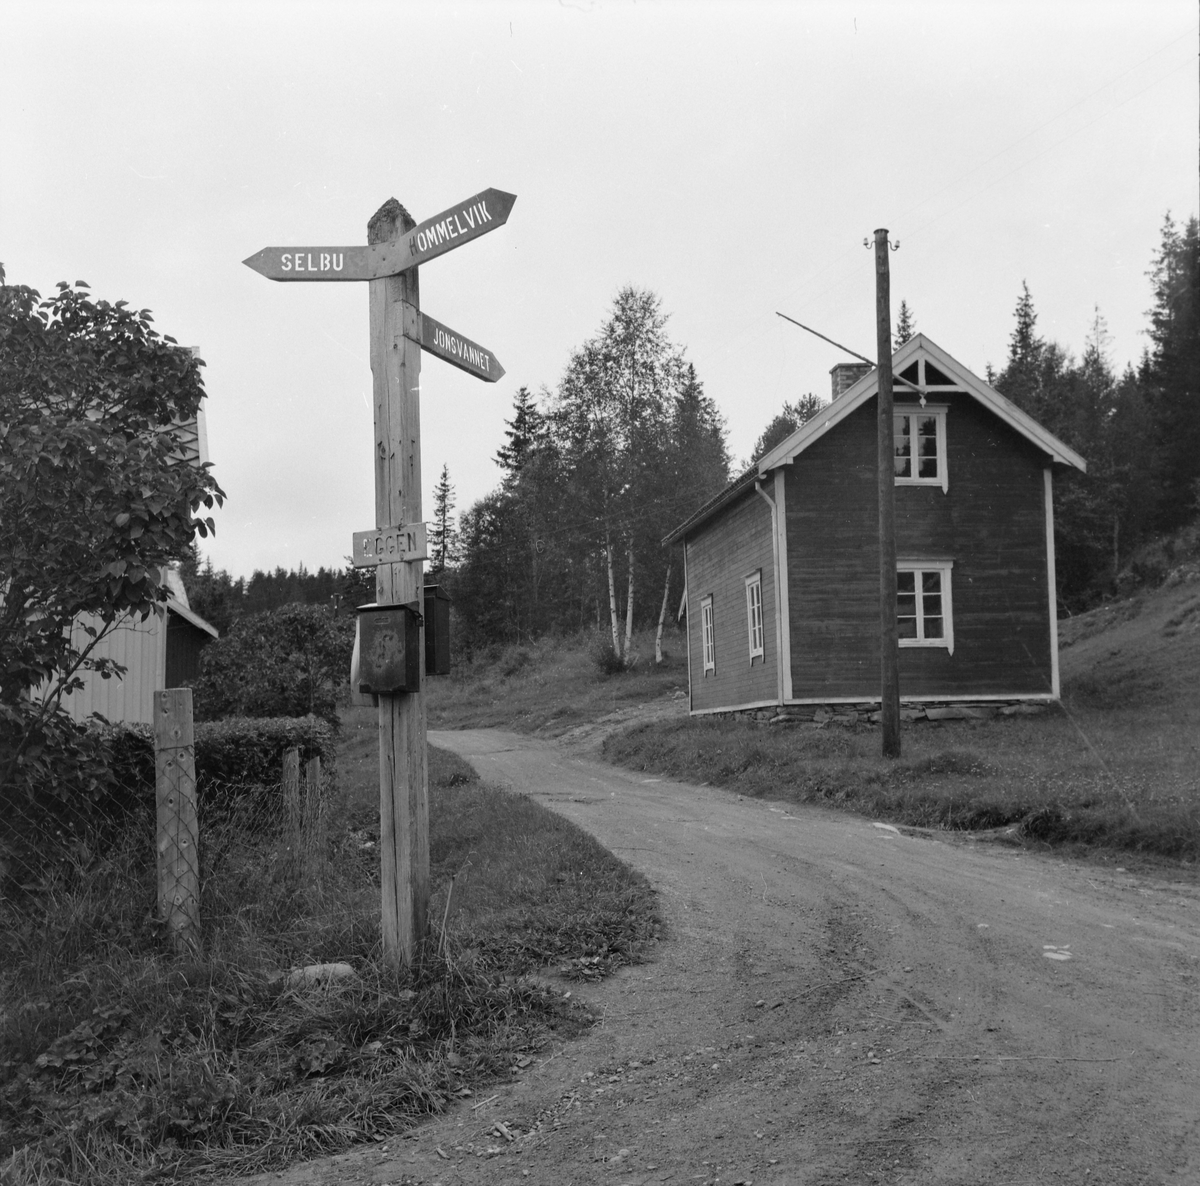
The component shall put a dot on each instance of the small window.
(923, 615)
(754, 614)
(707, 638)
(920, 448)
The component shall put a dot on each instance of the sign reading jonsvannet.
(459, 351)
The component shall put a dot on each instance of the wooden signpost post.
(399, 331)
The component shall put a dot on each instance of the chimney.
(846, 374)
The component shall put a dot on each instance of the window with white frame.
(920, 447)
(924, 617)
(754, 614)
(707, 638)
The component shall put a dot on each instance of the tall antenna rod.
(853, 353)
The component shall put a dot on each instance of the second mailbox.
(390, 658)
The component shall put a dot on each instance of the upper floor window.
(923, 610)
(920, 448)
(754, 614)
(708, 643)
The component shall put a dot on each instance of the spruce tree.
(906, 325)
(443, 538)
(1173, 372)
(524, 432)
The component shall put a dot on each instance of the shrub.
(289, 662)
(605, 658)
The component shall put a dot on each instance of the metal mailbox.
(389, 649)
(437, 630)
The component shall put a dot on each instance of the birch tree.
(612, 415)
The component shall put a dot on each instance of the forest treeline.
(596, 470)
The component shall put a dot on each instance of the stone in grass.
(315, 974)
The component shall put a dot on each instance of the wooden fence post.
(314, 811)
(291, 792)
(178, 828)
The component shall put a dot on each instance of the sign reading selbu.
(435, 236)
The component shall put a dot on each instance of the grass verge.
(551, 685)
(121, 1062)
(1073, 777)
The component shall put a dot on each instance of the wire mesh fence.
(181, 849)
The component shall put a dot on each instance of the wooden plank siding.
(138, 646)
(720, 556)
(990, 523)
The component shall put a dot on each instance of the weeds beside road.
(119, 1059)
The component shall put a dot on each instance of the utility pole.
(889, 651)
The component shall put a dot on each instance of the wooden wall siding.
(139, 647)
(719, 558)
(991, 523)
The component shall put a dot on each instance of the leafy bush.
(249, 751)
(289, 662)
(605, 658)
(238, 752)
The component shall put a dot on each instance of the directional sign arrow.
(427, 240)
(453, 348)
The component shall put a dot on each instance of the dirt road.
(838, 1002)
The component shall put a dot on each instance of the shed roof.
(918, 346)
(190, 616)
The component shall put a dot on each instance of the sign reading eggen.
(458, 351)
(435, 236)
(390, 545)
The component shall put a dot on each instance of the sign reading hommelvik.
(435, 236)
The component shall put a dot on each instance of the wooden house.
(782, 567)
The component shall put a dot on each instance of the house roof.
(741, 483)
(917, 347)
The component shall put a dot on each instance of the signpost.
(484, 212)
(399, 332)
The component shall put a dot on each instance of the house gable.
(922, 369)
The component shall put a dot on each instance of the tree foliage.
(1139, 432)
(288, 662)
(1171, 372)
(97, 497)
(595, 474)
(443, 538)
(793, 415)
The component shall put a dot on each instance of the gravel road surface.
(838, 1002)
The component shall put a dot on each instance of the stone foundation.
(820, 715)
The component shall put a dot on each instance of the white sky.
(731, 157)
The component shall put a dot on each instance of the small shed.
(782, 566)
(161, 652)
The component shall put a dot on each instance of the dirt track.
(837, 1002)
